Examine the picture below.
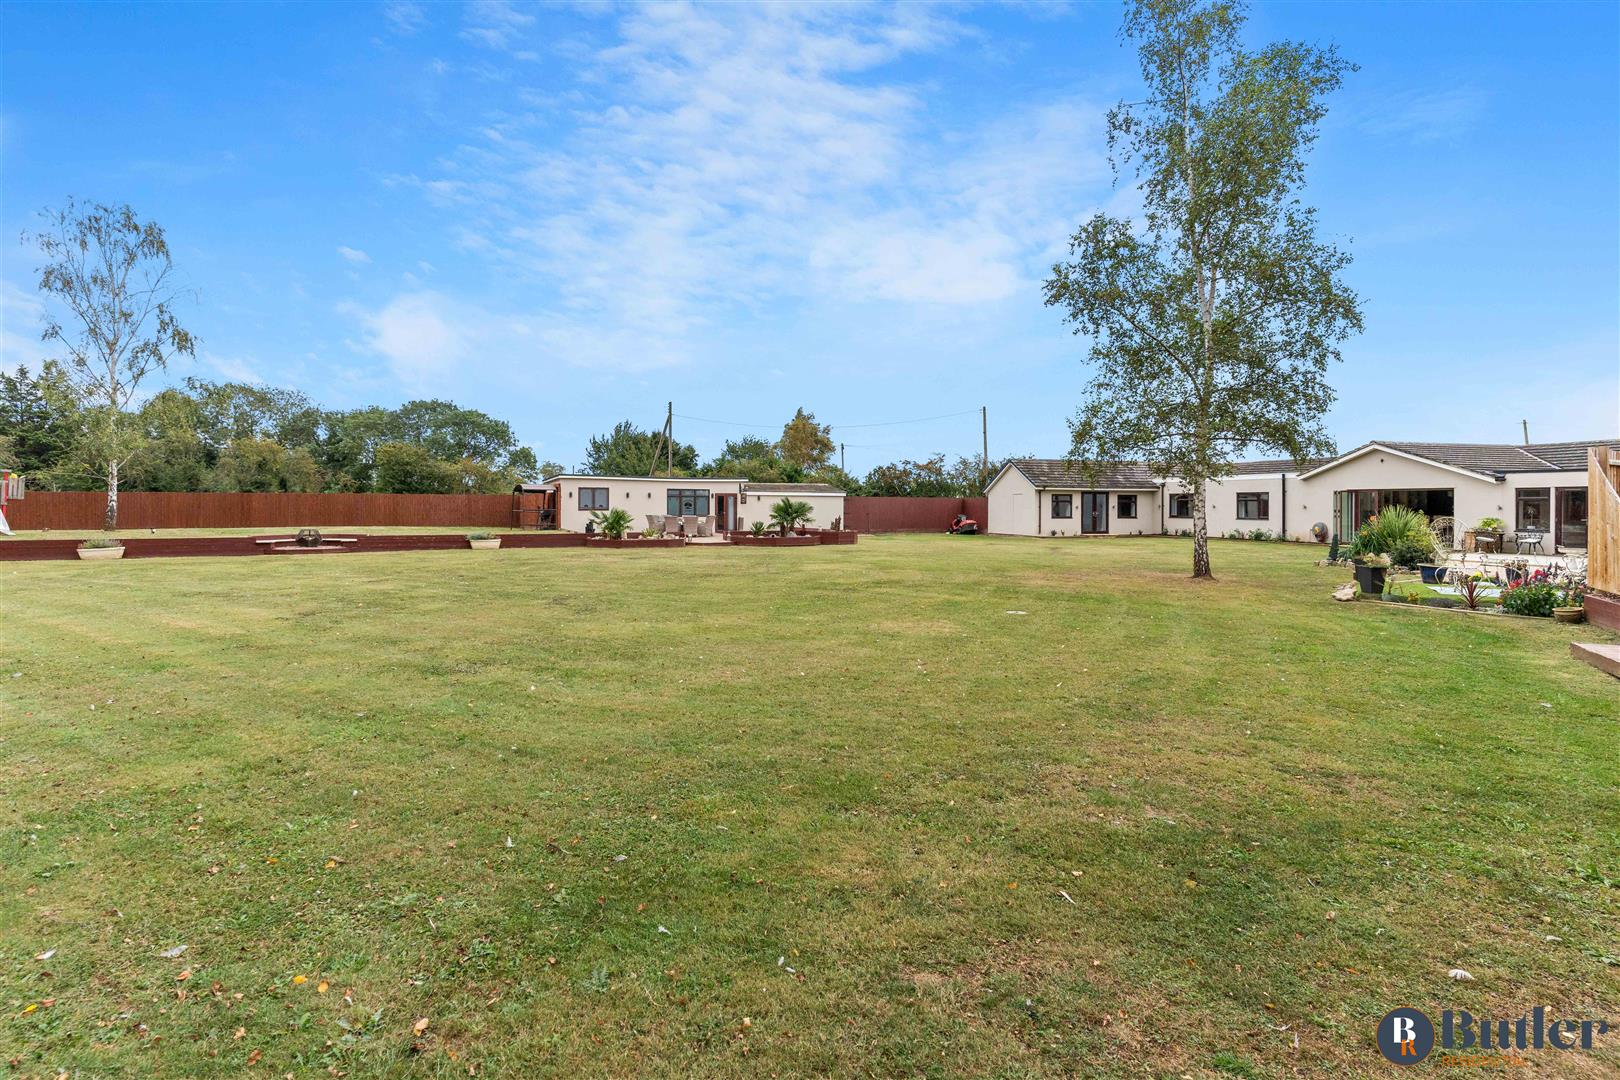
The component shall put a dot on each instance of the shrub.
(1399, 532)
(1526, 597)
(757, 528)
(614, 523)
(1491, 524)
(1333, 549)
(96, 543)
(480, 536)
(1235, 534)
(1260, 534)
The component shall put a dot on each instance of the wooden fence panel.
(865, 513)
(1603, 521)
(252, 510)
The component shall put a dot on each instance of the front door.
(1572, 517)
(725, 512)
(1094, 512)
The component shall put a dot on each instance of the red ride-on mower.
(962, 525)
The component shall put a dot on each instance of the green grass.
(840, 792)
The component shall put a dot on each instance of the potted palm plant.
(613, 524)
(101, 547)
(790, 514)
(483, 540)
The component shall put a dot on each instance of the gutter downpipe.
(1163, 529)
(1285, 504)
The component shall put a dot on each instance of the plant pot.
(485, 545)
(1370, 579)
(102, 553)
(1432, 573)
(1569, 614)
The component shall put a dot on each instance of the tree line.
(232, 436)
(803, 454)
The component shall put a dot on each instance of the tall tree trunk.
(1200, 533)
(112, 496)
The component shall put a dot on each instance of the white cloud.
(404, 17)
(729, 156)
(422, 335)
(21, 320)
(497, 24)
(234, 368)
(354, 255)
(1427, 115)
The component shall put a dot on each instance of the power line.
(918, 420)
(727, 423)
(841, 427)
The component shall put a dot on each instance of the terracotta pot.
(1569, 614)
(485, 545)
(102, 553)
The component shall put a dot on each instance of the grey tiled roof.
(1501, 458)
(1276, 465)
(1058, 472)
(795, 489)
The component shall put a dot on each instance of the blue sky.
(570, 215)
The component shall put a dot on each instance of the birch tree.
(112, 282)
(1213, 318)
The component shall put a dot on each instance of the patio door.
(1094, 511)
(1572, 517)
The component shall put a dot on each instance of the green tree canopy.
(805, 444)
(1211, 325)
(629, 451)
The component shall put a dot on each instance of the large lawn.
(924, 806)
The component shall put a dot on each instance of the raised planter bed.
(750, 540)
(661, 542)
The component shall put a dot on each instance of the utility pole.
(669, 441)
(984, 462)
(1526, 425)
(840, 457)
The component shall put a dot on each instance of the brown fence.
(249, 510)
(865, 513)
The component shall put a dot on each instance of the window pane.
(1534, 504)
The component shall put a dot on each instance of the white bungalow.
(1536, 489)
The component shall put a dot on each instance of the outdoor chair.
(1529, 540)
(689, 524)
(655, 522)
(705, 526)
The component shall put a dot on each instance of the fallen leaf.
(300, 980)
(331, 864)
(420, 1026)
(46, 955)
(320, 987)
(239, 1033)
(183, 976)
(253, 1058)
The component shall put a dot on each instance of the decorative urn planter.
(116, 552)
(485, 545)
(1370, 579)
(1433, 573)
(1569, 614)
